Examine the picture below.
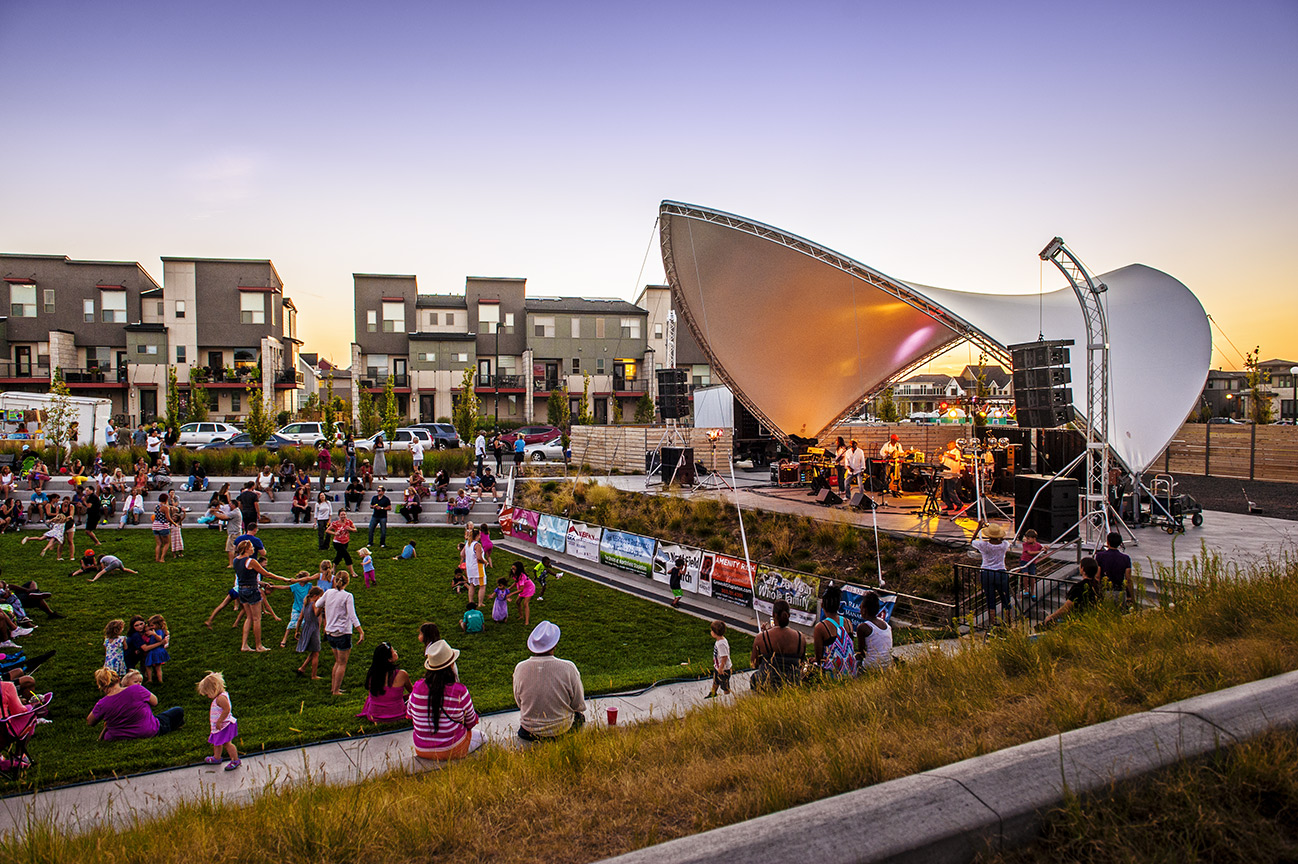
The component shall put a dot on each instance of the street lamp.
(1293, 379)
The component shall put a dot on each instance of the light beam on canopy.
(803, 335)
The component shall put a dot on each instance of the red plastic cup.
(612, 716)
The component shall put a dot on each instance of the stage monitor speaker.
(828, 497)
(678, 465)
(861, 501)
(1042, 398)
(818, 483)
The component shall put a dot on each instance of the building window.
(576, 365)
(88, 311)
(658, 331)
(599, 328)
(180, 308)
(701, 375)
(599, 365)
(214, 400)
(99, 358)
(576, 327)
(630, 328)
(544, 327)
(432, 319)
(180, 353)
(112, 307)
(235, 404)
(450, 318)
(488, 318)
(427, 357)
(49, 300)
(161, 308)
(146, 349)
(22, 301)
(252, 307)
(394, 317)
(371, 320)
(509, 322)
(462, 357)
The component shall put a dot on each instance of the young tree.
(310, 408)
(60, 417)
(391, 418)
(617, 411)
(584, 415)
(556, 409)
(197, 396)
(174, 416)
(1259, 408)
(258, 425)
(467, 408)
(369, 413)
(644, 409)
(328, 414)
(887, 408)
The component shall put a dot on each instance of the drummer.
(952, 463)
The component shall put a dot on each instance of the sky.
(939, 142)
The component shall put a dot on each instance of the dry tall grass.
(600, 792)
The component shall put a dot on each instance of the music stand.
(931, 507)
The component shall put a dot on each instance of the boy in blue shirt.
(407, 552)
(472, 621)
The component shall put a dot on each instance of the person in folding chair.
(18, 721)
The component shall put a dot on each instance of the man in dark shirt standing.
(249, 508)
(1115, 570)
(1083, 595)
(380, 504)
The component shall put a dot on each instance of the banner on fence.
(850, 605)
(551, 532)
(732, 579)
(627, 551)
(583, 541)
(523, 525)
(800, 590)
(665, 560)
(506, 520)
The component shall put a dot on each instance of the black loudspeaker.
(1054, 517)
(678, 465)
(1042, 399)
(861, 501)
(673, 394)
(818, 484)
(828, 497)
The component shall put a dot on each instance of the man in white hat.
(548, 690)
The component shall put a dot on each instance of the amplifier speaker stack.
(678, 465)
(673, 394)
(1042, 397)
(1054, 517)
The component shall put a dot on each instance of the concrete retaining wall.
(993, 801)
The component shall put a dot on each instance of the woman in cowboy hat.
(440, 708)
(994, 577)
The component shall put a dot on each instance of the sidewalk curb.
(995, 801)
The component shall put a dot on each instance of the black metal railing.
(631, 385)
(544, 385)
(515, 381)
(1032, 598)
(288, 376)
(95, 376)
(11, 369)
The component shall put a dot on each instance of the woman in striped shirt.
(441, 709)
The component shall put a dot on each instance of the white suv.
(401, 442)
(194, 434)
(308, 433)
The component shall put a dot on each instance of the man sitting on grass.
(1083, 595)
(548, 690)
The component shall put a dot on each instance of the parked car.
(404, 436)
(545, 451)
(532, 434)
(444, 435)
(1228, 421)
(308, 433)
(243, 441)
(195, 434)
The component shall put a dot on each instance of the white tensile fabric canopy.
(802, 334)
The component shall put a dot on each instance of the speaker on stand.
(1042, 397)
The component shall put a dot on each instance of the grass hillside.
(602, 792)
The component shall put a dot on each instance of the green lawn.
(618, 641)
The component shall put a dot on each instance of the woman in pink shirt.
(441, 709)
(386, 687)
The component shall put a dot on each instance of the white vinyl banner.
(665, 559)
(583, 540)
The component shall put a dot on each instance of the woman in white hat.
(441, 709)
(994, 577)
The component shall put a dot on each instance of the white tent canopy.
(802, 334)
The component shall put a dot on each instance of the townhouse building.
(519, 349)
(114, 331)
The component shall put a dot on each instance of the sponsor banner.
(850, 605)
(799, 590)
(583, 541)
(665, 560)
(551, 532)
(506, 520)
(732, 579)
(627, 551)
(523, 526)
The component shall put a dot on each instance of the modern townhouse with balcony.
(656, 300)
(71, 315)
(519, 348)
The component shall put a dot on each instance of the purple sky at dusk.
(942, 143)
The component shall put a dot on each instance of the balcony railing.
(543, 384)
(95, 376)
(10, 369)
(514, 381)
(631, 385)
(375, 382)
(289, 376)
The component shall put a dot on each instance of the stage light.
(714, 434)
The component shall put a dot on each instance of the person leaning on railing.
(778, 652)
